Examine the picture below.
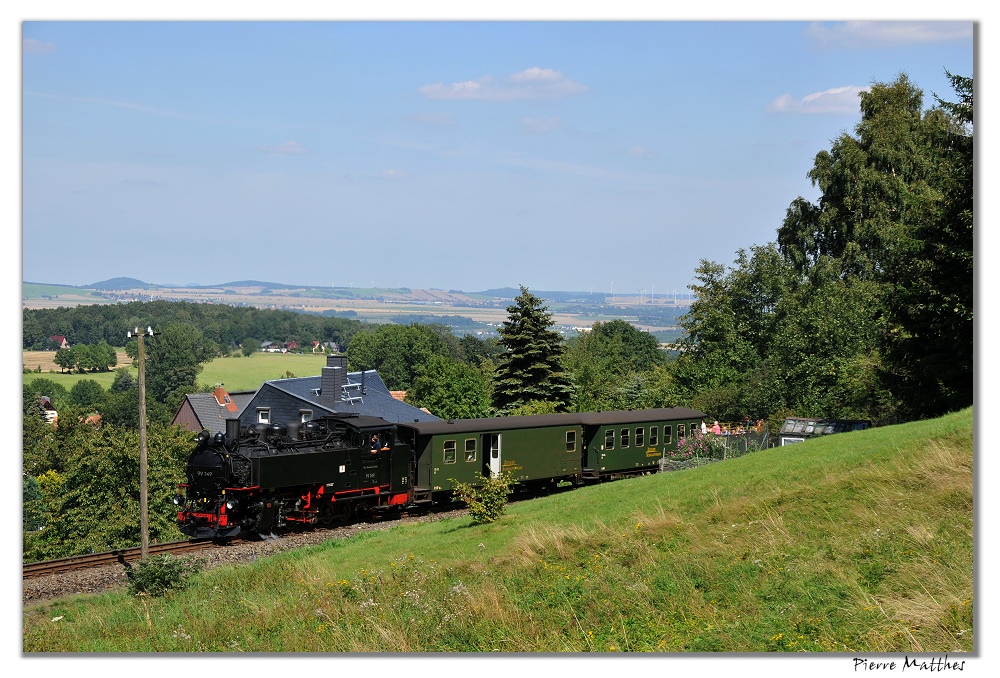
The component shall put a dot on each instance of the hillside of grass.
(860, 542)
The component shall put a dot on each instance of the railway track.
(44, 567)
(109, 557)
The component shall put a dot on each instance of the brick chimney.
(332, 380)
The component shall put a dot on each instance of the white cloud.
(396, 174)
(839, 100)
(32, 46)
(531, 83)
(861, 34)
(439, 119)
(539, 126)
(287, 148)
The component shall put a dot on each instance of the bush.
(155, 575)
(486, 501)
(708, 446)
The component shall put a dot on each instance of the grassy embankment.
(237, 373)
(861, 542)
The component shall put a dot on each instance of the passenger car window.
(570, 441)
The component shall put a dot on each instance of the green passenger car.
(633, 441)
(543, 449)
(532, 449)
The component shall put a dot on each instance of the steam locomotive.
(255, 480)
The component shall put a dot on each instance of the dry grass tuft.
(535, 543)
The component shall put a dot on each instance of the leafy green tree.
(873, 184)
(896, 211)
(39, 451)
(396, 351)
(121, 409)
(32, 506)
(174, 357)
(98, 507)
(86, 393)
(727, 330)
(608, 363)
(55, 392)
(929, 358)
(86, 358)
(476, 350)
(531, 366)
(65, 358)
(450, 389)
(105, 357)
(250, 346)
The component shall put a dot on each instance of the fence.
(733, 445)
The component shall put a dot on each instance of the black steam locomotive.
(256, 479)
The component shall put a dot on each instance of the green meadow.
(856, 543)
(237, 373)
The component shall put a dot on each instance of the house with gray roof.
(336, 390)
(200, 411)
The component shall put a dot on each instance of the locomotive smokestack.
(232, 430)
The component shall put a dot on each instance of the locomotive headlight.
(231, 504)
(178, 499)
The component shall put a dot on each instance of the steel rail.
(123, 556)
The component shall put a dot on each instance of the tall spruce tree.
(530, 369)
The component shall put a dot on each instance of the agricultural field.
(31, 361)
(236, 373)
(248, 373)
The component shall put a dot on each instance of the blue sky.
(458, 155)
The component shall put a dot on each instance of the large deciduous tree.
(396, 351)
(896, 211)
(929, 357)
(174, 357)
(530, 369)
(450, 389)
(98, 507)
(609, 365)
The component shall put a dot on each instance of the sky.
(609, 156)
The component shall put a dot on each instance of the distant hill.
(119, 284)
(258, 283)
(133, 283)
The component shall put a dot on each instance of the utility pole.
(143, 487)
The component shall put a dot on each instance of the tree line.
(227, 327)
